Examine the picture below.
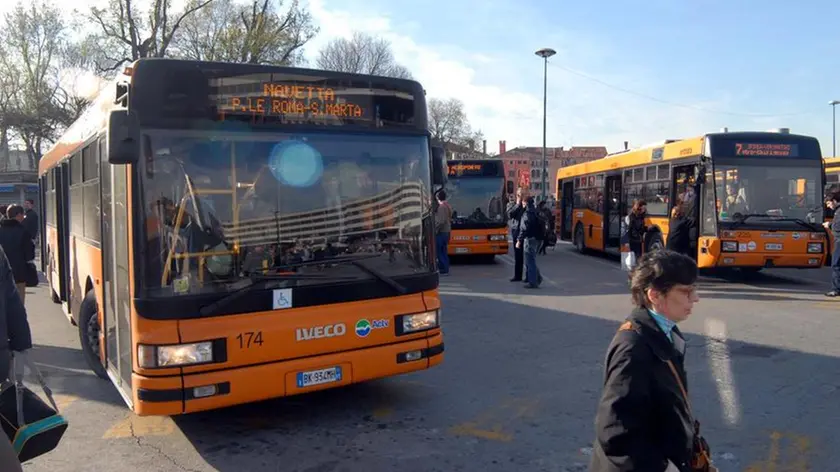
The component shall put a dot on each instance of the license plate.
(318, 377)
(462, 250)
(773, 247)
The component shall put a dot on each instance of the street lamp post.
(833, 104)
(545, 54)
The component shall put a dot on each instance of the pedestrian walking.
(530, 233)
(15, 336)
(19, 247)
(443, 228)
(515, 210)
(644, 420)
(30, 218)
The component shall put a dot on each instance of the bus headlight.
(815, 247)
(418, 322)
(174, 355)
(729, 246)
(498, 237)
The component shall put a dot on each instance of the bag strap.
(680, 383)
(20, 360)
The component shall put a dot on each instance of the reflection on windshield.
(476, 200)
(760, 190)
(217, 210)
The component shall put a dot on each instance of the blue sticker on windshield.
(296, 164)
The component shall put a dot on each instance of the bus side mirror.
(438, 166)
(510, 187)
(123, 137)
(700, 174)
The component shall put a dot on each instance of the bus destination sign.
(295, 102)
(466, 169)
(767, 149)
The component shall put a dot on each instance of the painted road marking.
(796, 459)
(63, 400)
(488, 425)
(139, 426)
(721, 364)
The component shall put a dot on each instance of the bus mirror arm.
(439, 169)
(123, 137)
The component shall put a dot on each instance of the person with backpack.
(531, 232)
(546, 218)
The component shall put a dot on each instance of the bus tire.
(580, 239)
(89, 334)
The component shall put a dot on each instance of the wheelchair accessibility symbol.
(282, 298)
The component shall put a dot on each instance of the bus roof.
(673, 150)
(173, 86)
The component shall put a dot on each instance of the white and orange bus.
(227, 233)
(755, 198)
(476, 193)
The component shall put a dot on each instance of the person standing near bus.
(515, 210)
(833, 202)
(15, 336)
(636, 228)
(443, 228)
(18, 245)
(679, 229)
(529, 232)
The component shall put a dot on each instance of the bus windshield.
(758, 189)
(217, 208)
(476, 200)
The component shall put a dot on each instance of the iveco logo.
(318, 332)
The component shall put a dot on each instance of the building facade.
(523, 165)
(18, 179)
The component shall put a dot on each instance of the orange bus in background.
(755, 198)
(476, 192)
(227, 233)
(832, 184)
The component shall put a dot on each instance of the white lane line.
(721, 365)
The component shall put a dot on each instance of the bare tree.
(33, 36)
(133, 36)
(362, 54)
(448, 123)
(255, 33)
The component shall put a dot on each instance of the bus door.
(684, 183)
(612, 211)
(43, 185)
(62, 200)
(566, 210)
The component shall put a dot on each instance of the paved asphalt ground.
(516, 392)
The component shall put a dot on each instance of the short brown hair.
(660, 270)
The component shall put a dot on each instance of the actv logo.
(318, 332)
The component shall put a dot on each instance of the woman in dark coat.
(679, 230)
(636, 227)
(643, 421)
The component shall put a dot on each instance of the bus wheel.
(580, 244)
(89, 334)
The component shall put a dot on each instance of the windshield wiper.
(355, 260)
(254, 282)
(798, 221)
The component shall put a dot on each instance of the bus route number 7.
(249, 339)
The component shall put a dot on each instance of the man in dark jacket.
(30, 218)
(515, 210)
(530, 234)
(17, 243)
(833, 202)
(643, 420)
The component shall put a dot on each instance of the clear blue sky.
(743, 57)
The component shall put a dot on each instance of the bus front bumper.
(155, 396)
(771, 260)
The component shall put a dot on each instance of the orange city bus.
(476, 192)
(227, 233)
(755, 198)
